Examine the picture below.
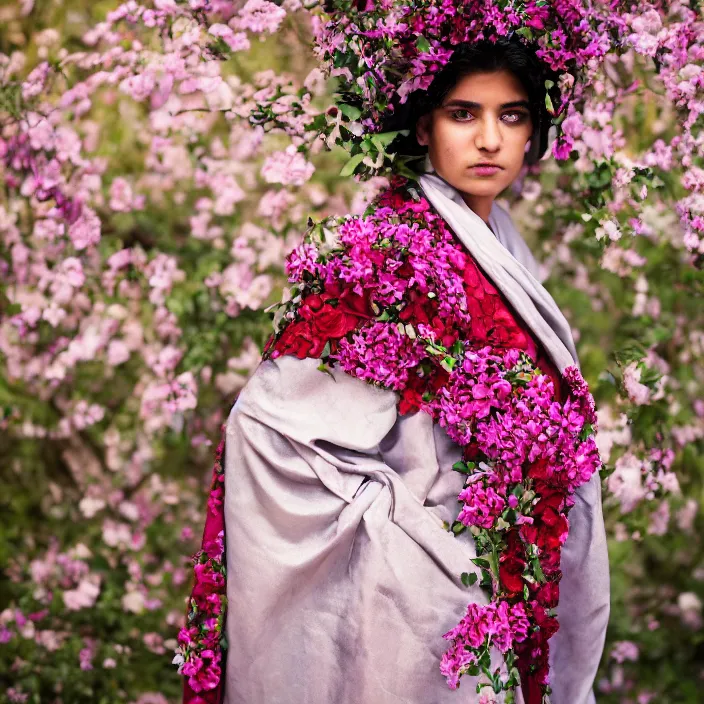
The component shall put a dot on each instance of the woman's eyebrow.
(471, 104)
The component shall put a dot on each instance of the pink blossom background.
(157, 166)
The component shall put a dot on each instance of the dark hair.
(484, 56)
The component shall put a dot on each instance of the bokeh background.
(156, 165)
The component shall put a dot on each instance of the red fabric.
(495, 323)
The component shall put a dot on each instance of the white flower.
(90, 506)
(638, 393)
(134, 602)
(625, 482)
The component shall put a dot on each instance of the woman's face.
(484, 118)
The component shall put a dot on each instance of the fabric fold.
(335, 596)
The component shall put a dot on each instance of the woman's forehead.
(488, 88)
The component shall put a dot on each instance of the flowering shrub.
(150, 195)
(143, 226)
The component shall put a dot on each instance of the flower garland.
(402, 321)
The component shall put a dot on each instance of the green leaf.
(422, 44)
(383, 139)
(351, 112)
(458, 527)
(322, 367)
(464, 467)
(481, 562)
(538, 570)
(469, 578)
(448, 363)
(352, 164)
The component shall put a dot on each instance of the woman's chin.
(486, 186)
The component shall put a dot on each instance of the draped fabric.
(341, 575)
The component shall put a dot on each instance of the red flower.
(512, 564)
(416, 309)
(335, 321)
(394, 197)
(321, 321)
(439, 378)
(550, 562)
(548, 624)
(493, 320)
(405, 271)
(548, 594)
(472, 452)
(556, 529)
(410, 401)
(552, 525)
(412, 395)
(298, 339)
(529, 533)
(538, 469)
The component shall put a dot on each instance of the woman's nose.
(489, 135)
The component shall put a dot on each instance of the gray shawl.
(341, 576)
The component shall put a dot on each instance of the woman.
(342, 575)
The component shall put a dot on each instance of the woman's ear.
(423, 130)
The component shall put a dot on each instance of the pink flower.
(16, 695)
(83, 597)
(260, 16)
(624, 650)
(236, 41)
(638, 393)
(378, 352)
(85, 232)
(289, 168)
(481, 506)
(121, 196)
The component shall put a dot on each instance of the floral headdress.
(382, 52)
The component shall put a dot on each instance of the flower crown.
(384, 51)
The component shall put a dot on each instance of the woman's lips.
(485, 170)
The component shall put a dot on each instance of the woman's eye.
(516, 116)
(513, 117)
(455, 113)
